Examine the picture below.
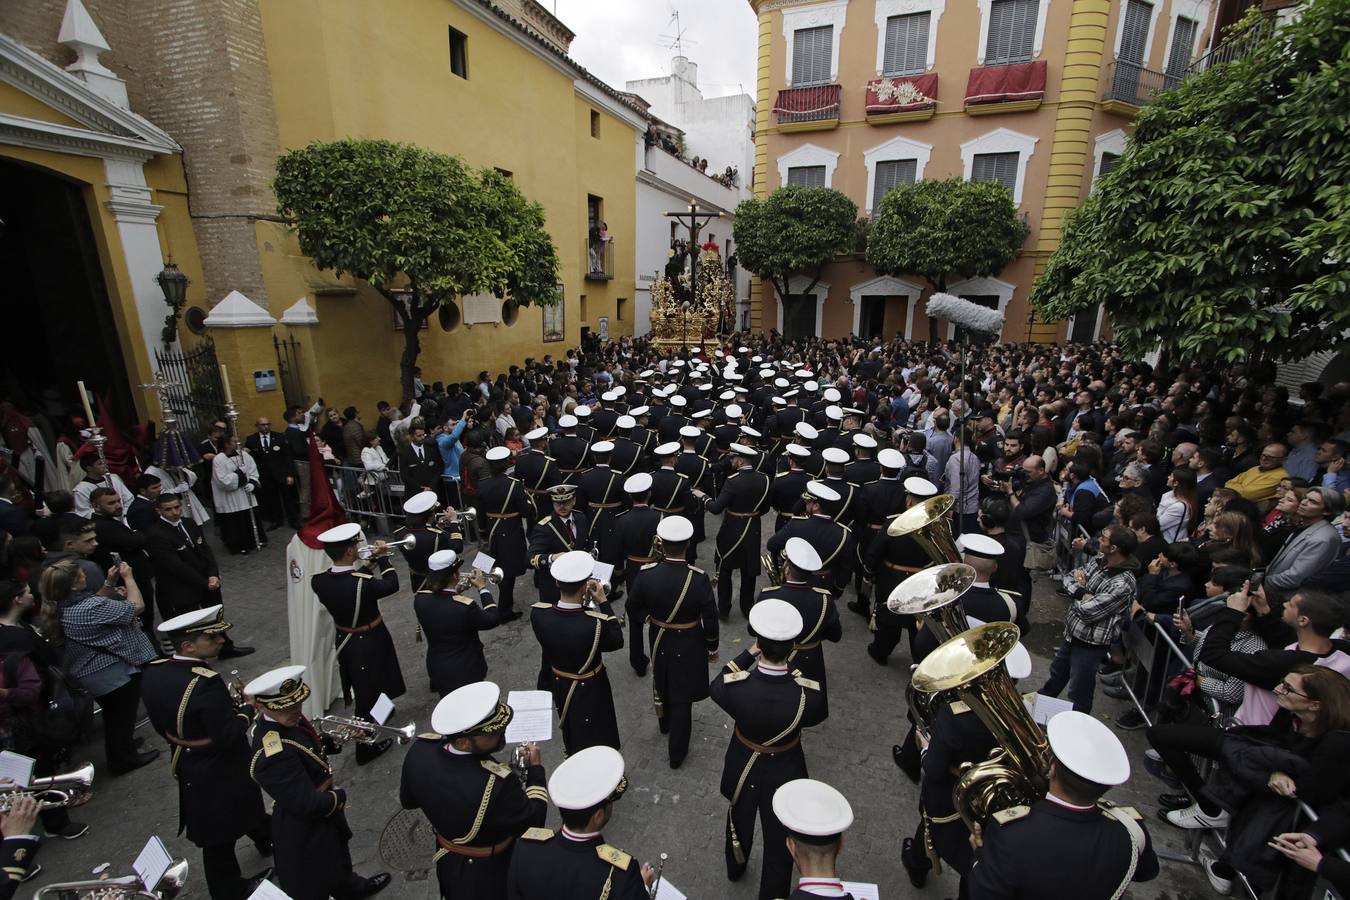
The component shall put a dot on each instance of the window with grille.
(1183, 41)
(906, 44)
(999, 167)
(1012, 32)
(890, 175)
(811, 55)
(806, 176)
(1109, 161)
(1134, 36)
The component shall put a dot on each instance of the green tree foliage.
(795, 231)
(407, 219)
(945, 230)
(1224, 229)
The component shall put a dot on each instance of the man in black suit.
(142, 511)
(276, 472)
(13, 518)
(115, 536)
(420, 462)
(186, 574)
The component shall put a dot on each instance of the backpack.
(64, 715)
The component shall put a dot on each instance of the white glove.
(248, 488)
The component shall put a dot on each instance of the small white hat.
(781, 383)
(199, 621)
(646, 373)
(757, 358)
(790, 394)
(752, 432)
(717, 353)
(742, 349)
(734, 411)
(705, 413)
(609, 396)
(467, 707)
(679, 400)
(822, 491)
(638, 412)
(832, 395)
(537, 434)
(980, 545)
(920, 487)
(573, 567)
(778, 401)
(706, 387)
(602, 447)
(625, 422)
(766, 373)
(802, 555)
(441, 560)
(812, 386)
(637, 484)
(890, 458)
(834, 413)
(835, 455)
(807, 431)
(582, 411)
(497, 454)
(866, 441)
(796, 450)
(775, 620)
(812, 808)
(742, 450)
(727, 395)
(279, 688)
(340, 534)
(676, 363)
(689, 431)
(620, 391)
(567, 421)
(676, 529)
(587, 778)
(422, 501)
(670, 448)
(802, 373)
(853, 411)
(1086, 747)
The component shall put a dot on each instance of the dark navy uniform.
(1052, 852)
(218, 803)
(537, 472)
(367, 660)
(956, 736)
(451, 623)
(891, 560)
(17, 856)
(833, 541)
(878, 502)
(601, 492)
(548, 866)
(430, 539)
(309, 826)
(699, 472)
(676, 599)
(573, 641)
(628, 457)
(764, 753)
(636, 528)
(477, 808)
(820, 622)
(668, 429)
(862, 471)
(571, 453)
(743, 500)
(504, 509)
(645, 438)
(603, 421)
(552, 536)
(786, 494)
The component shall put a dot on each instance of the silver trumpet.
(236, 689)
(468, 514)
(371, 551)
(127, 887)
(466, 581)
(520, 760)
(66, 790)
(344, 729)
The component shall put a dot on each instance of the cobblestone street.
(677, 812)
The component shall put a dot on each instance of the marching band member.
(833, 540)
(537, 471)
(816, 817)
(820, 616)
(878, 502)
(636, 527)
(503, 506)
(600, 490)
(891, 560)
(744, 498)
(418, 510)
(451, 622)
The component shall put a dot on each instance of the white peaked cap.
(890, 458)
(807, 431)
(832, 395)
(496, 454)
(537, 434)
(980, 545)
(587, 778)
(625, 422)
(572, 567)
(775, 620)
(834, 455)
(463, 708)
(637, 484)
(422, 501)
(189, 619)
(676, 529)
(602, 447)
(920, 487)
(865, 440)
(568, 421)
(340, 534)
(270, 682)
(822, 491)
(441, 560)
(689, 431)
(1086, 747)
(670, 448)
(802, 555)
(812, 808)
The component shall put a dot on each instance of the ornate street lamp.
(174, 285)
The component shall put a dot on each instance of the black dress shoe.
(877, 657)
(862, 609)
(235, 650)
(1175, 801)
(375, 884)
(509, 616)
(916, 868)
(640, 671)
(140, 759)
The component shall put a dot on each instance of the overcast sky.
(631, 39)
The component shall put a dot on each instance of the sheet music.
(153, 862)
(533, 719)
(861, 890)
(483, 563)
(1047, 708)
(382, 709)
(603, 572)
(668, 891)
(16, 767)
(269, 891)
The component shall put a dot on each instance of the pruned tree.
(420, 227)
(1223, 231)
(944, 231)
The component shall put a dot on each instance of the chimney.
(681, 67)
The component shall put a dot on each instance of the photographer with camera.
(1031, 494)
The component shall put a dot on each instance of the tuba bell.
(971, 667)
(773, 568)
(935, 593)
(927, 523)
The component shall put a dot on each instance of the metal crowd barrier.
(377, 502)
(1158, 659)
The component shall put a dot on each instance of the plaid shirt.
(100, 632)
(1095, 615)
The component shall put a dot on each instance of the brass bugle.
(493, 577)
(369, 551)
(363, 731)
(68, 789)
(127, 887)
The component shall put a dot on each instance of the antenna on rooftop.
(678, 40)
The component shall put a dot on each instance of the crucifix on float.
(694, 219)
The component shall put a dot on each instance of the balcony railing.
(807, 104)
(1231, 50)
(600, 260)
(995, 86)
(1131, 84)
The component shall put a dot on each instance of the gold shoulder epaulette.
(537, 834)
(434, 530)
(648, 565)
(597, 614)
(363, 575)
(733, 677)
(541, 606)
(204, 672)
(959, 707)
(271, 743)
(614, 856)
(496, 768)
(805, 682)
(460, 598)
(1011, 814)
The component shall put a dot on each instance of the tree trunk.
(939, 286)
(412, 316)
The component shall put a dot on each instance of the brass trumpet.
(66, 790)
(371, 551)
(466, 581)
(344, 729)
(468, 514)
(127, 887)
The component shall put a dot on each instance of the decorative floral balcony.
(808, 108)
(901, 98)
(1000, 89)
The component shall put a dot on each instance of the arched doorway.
(55, 309)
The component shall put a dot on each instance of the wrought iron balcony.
(1131, 85)
(808, 104)
(600, 260)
